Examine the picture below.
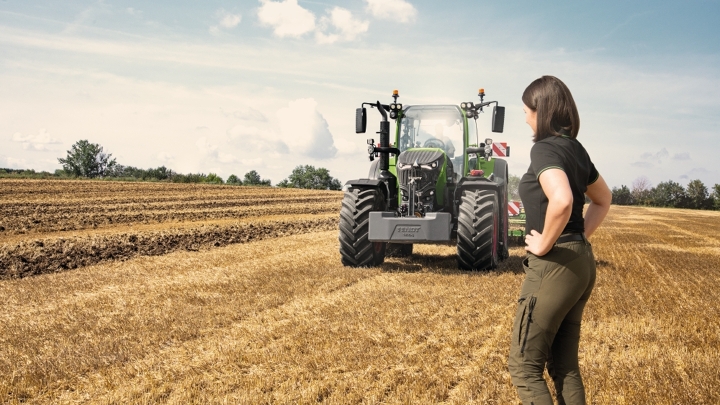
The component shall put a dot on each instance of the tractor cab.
(435, 127)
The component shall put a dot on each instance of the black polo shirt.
(568, 155)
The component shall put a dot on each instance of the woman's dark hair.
(550, 98)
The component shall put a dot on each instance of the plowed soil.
(51, 226)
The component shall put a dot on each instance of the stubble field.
(117, 293)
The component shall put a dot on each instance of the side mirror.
(360, 120)
(498, 119)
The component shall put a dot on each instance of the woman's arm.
(601, 197)
(556, 187)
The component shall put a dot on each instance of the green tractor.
(435, 183)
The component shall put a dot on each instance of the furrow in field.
(32, 257)
(69, 191)
(77, 219)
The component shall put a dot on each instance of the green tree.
(716, 196)
(698, 196)
(669, 194)
(86, 159)
(641, 191)
(252, 178)
(513, 188)
(309, 177)
(234, 180)
(622, 196)
(213, 178)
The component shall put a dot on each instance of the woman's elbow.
(599, 193)
(602, 199)
(562, 201)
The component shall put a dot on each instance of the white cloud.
(225, 20)
(245, 113)
(165, 157)
(223, 157)
(350, 147)
(395, 10)
(13, 163)
(41, 141)
(644, 165)
(662, 154)
(255, 163)
(681, 156)
(230, 20)
(347, 27)
(305, 130)
(89, 14)
(287, 18)
(212, 152)
(257, 141)
(205, 147)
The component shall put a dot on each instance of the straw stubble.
(281, 321)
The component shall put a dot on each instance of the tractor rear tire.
(355, 248)
(477, 236)
(399, 250)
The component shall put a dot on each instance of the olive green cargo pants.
(547, 324)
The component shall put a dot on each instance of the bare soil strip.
(50, 255)
(39, 206)
(51, 226)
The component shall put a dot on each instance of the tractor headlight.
(434, 164)
(400, 165)
(371, 148)
(463, 106)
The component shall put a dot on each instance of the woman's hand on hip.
(535, 243)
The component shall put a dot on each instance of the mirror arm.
(487, 103)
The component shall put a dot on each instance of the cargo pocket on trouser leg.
(525, 323)
(515, 361)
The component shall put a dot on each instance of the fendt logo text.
(407, 231)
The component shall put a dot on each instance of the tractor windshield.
(437, 126)
(432, 127)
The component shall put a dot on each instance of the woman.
(560, 266)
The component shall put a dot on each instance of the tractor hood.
(422, 156)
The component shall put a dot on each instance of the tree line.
(668, 194)
(89, 160)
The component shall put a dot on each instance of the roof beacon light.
(396, 94)
(481, 94)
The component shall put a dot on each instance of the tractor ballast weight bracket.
(387, 227)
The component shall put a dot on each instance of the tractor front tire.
(477, 241)
(355, 248)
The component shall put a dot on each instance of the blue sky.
(227, 87)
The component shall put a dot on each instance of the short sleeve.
(544, 156)
(593, 174)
